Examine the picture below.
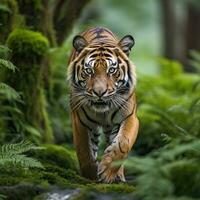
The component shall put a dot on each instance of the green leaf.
(9, 92)
(12, 155)
(7, 64)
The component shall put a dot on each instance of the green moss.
(54, 179)
(68, 174)
(28, 52)
(106, 188)
(111, 191)
(9, 181)
(27, 45)
(84, 194)
(58, 156)
(12, 176)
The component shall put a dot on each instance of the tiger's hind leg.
(109, 171)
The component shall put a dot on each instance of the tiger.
(102, 81)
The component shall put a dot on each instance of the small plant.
(13, 155)
(2, 197)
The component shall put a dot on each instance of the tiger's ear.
(79, 43)
(126, 43)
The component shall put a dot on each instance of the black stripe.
(119, 60)
(91, 52)
(112, 131)
(108, 50)
(101, 49)
(94, 55)
(88, 117)
(124, 71)
(127, 116)
(82, 62)
(94, 141)
(98, 37)
(114, 113)
(106, 54)
(96, 134)
(74, 72)
(128, 71)
(95, 150)
(130, 96)
(121, 148)
(128, 85)
(83, 123)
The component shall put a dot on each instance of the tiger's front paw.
(109, 169)
(108, 173)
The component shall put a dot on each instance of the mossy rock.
(68, 174)
(58, 156)
(106, 188)
(105, 191)
(27, 45)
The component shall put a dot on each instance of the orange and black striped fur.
(102, 83)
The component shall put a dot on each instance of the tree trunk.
(65, 15)
(169, 19)
(193, 33)
(181, 32)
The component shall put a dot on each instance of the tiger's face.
(102, 75)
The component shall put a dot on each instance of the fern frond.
(7, 64)
(2, 197)
(11, 155)
(9, 92)
(18, 148)
(11, 109)
(20, 161)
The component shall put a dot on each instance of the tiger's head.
(101, 75)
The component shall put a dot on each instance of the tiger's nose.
(99, 92)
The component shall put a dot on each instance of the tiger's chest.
(92, 119)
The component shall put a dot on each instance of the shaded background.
(35, 44)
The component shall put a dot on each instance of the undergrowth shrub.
(168, 143)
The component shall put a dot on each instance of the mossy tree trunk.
(28, 51)
(55, 20)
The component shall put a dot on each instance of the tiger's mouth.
(100, 105)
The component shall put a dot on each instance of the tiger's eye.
(88, 70)
(111, 70)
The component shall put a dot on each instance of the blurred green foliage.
(169, 112)
(168, 104)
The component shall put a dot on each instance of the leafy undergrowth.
(59, 170)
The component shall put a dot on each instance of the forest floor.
(59, 180)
